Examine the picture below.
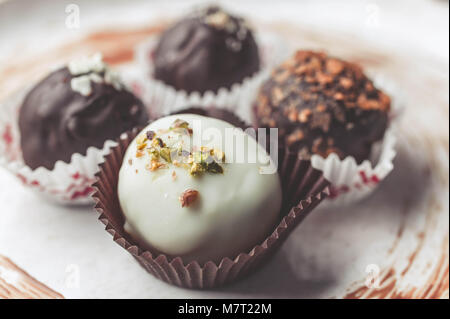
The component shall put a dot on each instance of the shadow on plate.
(320, 252)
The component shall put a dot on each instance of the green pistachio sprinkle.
(199, 162)
(179, 124)
(215, 168)
(165, 154)
(197, 169)
(204, 162)
(154, 154)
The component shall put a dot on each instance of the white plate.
(399, 235)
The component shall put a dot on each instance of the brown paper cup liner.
(303, 189)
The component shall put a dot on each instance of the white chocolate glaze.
(234, 211)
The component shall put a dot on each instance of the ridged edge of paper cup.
(352, 182)
(299, 181)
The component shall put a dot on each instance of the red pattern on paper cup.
(67, 183)
(352, 181)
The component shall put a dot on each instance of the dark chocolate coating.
(323, 105)
(56, 122)
(196, 56)
(216, 113)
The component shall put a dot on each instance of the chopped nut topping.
(140, 147)
(321, 108)
(219, 156)
(188, 197)
(158, 142)
(179, 124)
(214, 168)
(277, 95)
(338, 96)
(282, 76)
(154, 165)
(346, 83)
(301, 69)
(334, 66)
(304, 115)
(323, 78)
(293, 115)
(176, 163)
(165, 154)
(139, 153)
(197, 169)
(141, 139)
(202, 160)
(320, 102)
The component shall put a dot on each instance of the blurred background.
(417, 24)
(417, 27)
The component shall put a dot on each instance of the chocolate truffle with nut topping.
(323, 105)
(206, 51)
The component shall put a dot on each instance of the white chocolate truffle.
(234, 210)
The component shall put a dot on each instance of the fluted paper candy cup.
(162, 99)
(303, 189)
(352, 182)
(67, 183)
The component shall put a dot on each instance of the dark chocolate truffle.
(323, 105)
(206, 51)
(67, 112)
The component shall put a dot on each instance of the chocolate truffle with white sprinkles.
(323, 105)
(73, 108)
(206, 51)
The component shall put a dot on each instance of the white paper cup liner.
(68, 183)
(351, 182)
(162, 99)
